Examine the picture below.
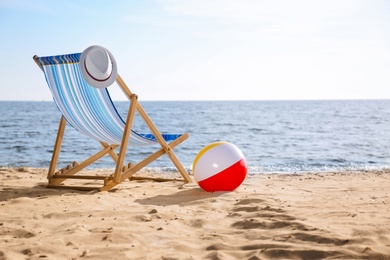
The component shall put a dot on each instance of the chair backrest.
(89, 110)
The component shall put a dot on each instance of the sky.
(206, 49)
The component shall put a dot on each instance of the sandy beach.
(270, 216)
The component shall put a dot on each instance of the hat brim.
(92, 81)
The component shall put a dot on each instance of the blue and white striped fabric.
(89, 110)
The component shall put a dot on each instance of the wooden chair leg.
(57, 148)
(157, 134)
(164, 145)
(125, 138)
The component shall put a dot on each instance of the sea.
(274, 136)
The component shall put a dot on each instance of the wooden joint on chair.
(167, 149)
(107, 180)
(133, 97)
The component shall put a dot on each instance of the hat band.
(89, 74)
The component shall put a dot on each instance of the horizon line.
(227, 100)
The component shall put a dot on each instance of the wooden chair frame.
(121, 172)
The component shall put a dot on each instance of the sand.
(270, 216)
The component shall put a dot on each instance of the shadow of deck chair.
(91, 111)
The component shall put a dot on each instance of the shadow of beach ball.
(219, 166)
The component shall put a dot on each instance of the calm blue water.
(275, 136)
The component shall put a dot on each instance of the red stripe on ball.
(226, 180)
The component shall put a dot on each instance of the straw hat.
(98, 66)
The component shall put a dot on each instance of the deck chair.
(91, 111)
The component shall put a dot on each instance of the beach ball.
(219, 166)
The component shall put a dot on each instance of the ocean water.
(275, 136)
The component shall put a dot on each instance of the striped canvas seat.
(89, 110)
